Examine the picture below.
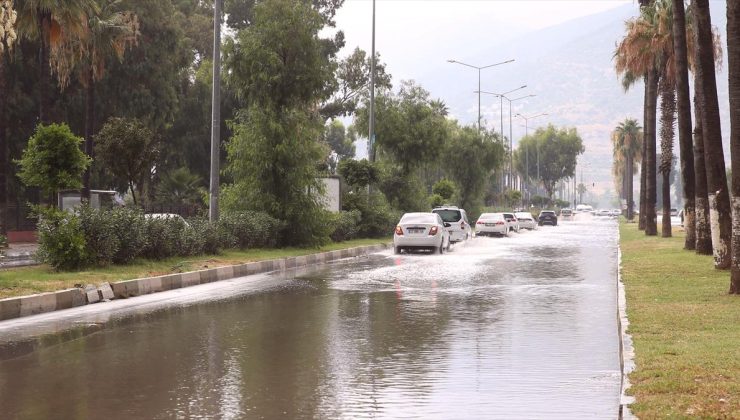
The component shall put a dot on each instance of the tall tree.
(109, 32)
(718, 194)
(52, 23)
(667, 131)
(703, 228)
(281, 67)
(627, 142)
(683, 105)
(7, 39)
(733, 53)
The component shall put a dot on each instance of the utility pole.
(371, 134)
(215, 114)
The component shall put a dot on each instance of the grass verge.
(685, 328)
(37, 279)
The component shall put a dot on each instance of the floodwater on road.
(518, 327)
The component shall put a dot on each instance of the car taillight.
(499, 223)
(399, 231)
(433, 231)
(479, 223)
(462, 225)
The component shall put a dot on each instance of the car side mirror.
(447, 224)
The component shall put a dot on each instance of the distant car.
(490, 224)
(548, 217)
(616, 212)
(457, 218)
(166, 216)
(421, 231)
(603, 213)
(526, 220)
(566, 212)
(513, 222)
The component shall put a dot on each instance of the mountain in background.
(570, 68)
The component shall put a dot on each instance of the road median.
(684, 328)
(144, 277)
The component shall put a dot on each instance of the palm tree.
(719, 200)
(108, 34)
(7, 39)
(733, 53)
(680, 52)
(52, 23)
(627, 142)
(703, 230)
(634, 56)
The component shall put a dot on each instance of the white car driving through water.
(526, 220)
(457, 219)
(421, 231)
(491, 224)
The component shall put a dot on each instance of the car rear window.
(449, 216)
(419, 218)
(547, 213)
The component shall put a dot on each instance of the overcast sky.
(413, 33)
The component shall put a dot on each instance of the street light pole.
(503, 96)
(371, 124)
(526, 134)
(479, 68)
(215, 115)
(511, 138)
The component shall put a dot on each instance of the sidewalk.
(19, 255)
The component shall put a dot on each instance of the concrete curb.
(626, 351)
(21, 306)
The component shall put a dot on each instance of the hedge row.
(69, 241)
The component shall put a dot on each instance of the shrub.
(346, 225)
(377, 218)
(129, 226)
(445, 189)
(249, 229)
(208, 233)
(164, 237)
(101, 242)
(436, 200)
(3, 241)
(61, 240)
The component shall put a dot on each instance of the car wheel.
(397, 250)
(441, 249)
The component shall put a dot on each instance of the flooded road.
(518, 327)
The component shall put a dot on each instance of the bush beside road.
(685, 330)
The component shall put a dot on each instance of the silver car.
(526, 220)
(457, 219)
(490, 224)
(421, 231)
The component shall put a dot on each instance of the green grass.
(37, 279)
(685, 328)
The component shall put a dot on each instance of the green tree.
(53, 160)
(558, 148)
(626, 143)
(444, 188)
(281, 66)
(341, 141)
(180, 187)
(108, 33)
(7, 40)
(52, 23)
(476, 154)
(358, 174)
(352, 81)
(408, 130)
(128, 149)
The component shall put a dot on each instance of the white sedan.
(491, 224)
(421, 231)
(526, 220)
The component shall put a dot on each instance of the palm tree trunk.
(719, 200)
(733, 52)
(3, 153)
(630, 188)
(651, 227)
(667, 120)
(643, 162)
(44, 69)
(684, 121)
(703, 231)
(89, 120)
